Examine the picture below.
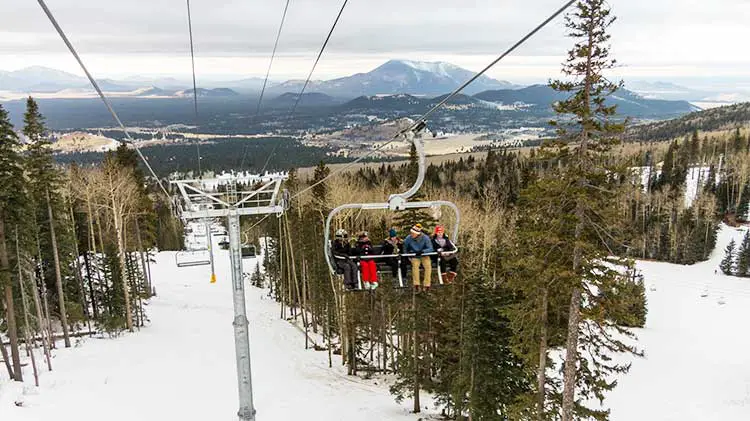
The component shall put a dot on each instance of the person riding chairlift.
(418, 243)
(445, 249)
(342, 251)
(394, 245)
(368, 266)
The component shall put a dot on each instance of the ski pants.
(425, 262)
(369, 271)
(397, 263)
(349, 269)
(451, 265)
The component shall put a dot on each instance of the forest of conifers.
(547, 290)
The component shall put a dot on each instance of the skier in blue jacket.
(419, 243)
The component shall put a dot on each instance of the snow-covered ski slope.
(182, 366)
(697, 364)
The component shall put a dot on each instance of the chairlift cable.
(309, 76)
(195, 86)
(104, 98)
(421, 120)
(320, 53)
(273, 55)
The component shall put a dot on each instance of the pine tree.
(44, 182)
(13, 202)
(727, 264)
(320, 191)
(744, 204)
(695, 146)
(257, 277)
(588, 211)
(743, 256)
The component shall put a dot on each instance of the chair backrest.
(248, 252)
(192, 258)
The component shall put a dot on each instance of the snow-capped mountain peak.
(437, 67)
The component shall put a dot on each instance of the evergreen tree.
(744, 204)
(44, 182)
(727, 264)
(320, 191)
(743, 256)
(588, 211)
(695, 146)
(257, 277)
(665, 178)
(13, 203)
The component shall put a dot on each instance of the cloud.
(689, 35)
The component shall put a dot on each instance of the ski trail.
(182, 365)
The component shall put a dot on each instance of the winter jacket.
(392, 247)
(421, 244)
(342, 248)
(444, 245)
(364, 248)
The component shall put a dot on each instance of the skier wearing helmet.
(446, 252)
(342, 252)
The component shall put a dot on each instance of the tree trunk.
(6, 358)
(77, 265)
(9, 307)
(45, 299)
(541, 374)
(25, 307)
(58, 275)
(43, 323)
(574, 316)
(89, 278)
(146, 275)
(118, 220)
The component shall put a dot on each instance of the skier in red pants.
(368, 266)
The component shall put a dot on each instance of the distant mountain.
(210, 93)
(400, 77)
(721, 118)
(253, 84)
(39, 79)
(666, 90)
(628, 103)
(313, 99)
(150, 91)
(168, 83)
(535, 99)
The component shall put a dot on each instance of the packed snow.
(697, 365)
(182, 365)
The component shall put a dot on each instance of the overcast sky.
(699, 40)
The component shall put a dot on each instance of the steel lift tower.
(232, 197)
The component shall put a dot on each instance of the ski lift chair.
(395, 203)
(248, 251)
(188, 258)
(383, 262)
